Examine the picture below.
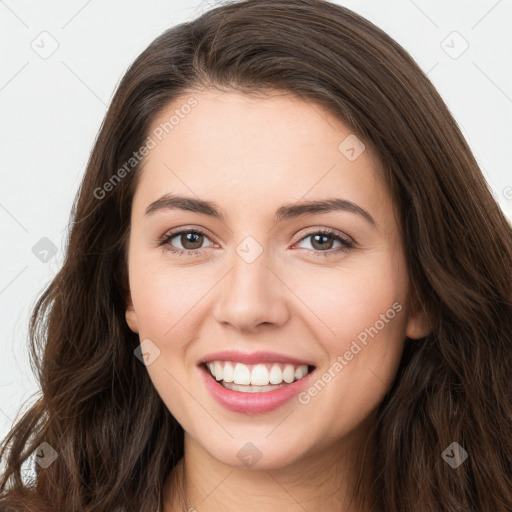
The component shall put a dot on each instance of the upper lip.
(253, 358)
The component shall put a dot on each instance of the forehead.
(251, 150)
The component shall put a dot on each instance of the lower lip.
(253, 403)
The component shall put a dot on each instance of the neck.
(317, 482)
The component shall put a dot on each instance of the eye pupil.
(195, 239)
(322, 245)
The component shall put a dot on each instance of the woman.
(287, 286)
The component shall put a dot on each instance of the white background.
(51, 110)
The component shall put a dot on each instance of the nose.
(252, 294)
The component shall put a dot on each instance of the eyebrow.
(287, 211)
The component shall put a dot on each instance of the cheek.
(343, 301)
(362, 330)
(164, 298)
(360, 322)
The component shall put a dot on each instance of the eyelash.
(346, 244)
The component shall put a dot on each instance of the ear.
(417, 322)
(130, 315)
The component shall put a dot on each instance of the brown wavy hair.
(116, 441)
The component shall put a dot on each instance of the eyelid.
(169, 235)
(346, 241)
(307, 232)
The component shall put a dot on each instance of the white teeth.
(262, 375)
(219, 370)
(288, 373)
(229, 372)
(251, 389)
(276, 375)
(300, 372)
(259, 375)
(242, 374)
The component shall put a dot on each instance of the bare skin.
(250, 156)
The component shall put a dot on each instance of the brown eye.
(191, 240)
(321, 241)
(184, 242)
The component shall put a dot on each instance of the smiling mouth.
(255, 378)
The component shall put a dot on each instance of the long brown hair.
(116, 441)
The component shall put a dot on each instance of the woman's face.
(257, 280)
